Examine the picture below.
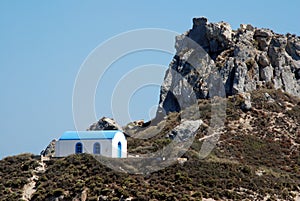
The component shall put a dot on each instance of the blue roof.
(88, 135)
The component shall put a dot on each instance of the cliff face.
(246, 59)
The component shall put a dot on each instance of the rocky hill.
(257, 155)
(246, 59)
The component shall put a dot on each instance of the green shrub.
(58, 192)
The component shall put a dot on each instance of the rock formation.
(50, 149)
(245, 59)
(105, 123)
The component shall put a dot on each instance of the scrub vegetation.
(257, 157)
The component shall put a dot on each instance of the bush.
(58, 192)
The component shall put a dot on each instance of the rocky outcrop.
(105, 123)
(50, 149)
(246, 101)
(183, 131)
(246, 59)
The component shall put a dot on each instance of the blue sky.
(44, 43)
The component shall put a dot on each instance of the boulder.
(185, 130)
(105, 123)
(246, 101)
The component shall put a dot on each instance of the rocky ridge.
(246, 59)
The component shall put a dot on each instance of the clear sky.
(44, 43)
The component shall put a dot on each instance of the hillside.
(256, 156)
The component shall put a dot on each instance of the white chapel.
(109, 143)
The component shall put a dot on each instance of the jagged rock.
(265, 33)
(246, 60)
(266, 73)
(105, 123)
(263, 38)
(246, 27)
(50, 149)
(183, 131)
(263, 60)
(246, 104)
(213, 37)
(293, 47)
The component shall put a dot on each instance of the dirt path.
(28, 188)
